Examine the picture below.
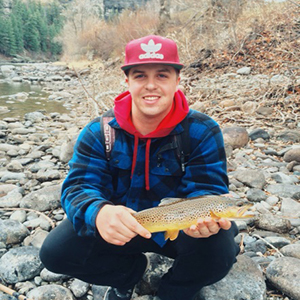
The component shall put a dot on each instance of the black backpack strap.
(107, 132)
(182, 141)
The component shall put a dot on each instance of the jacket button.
(166, 169)
(116, 161)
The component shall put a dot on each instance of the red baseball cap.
(151, 49)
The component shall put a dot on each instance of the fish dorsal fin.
(171, 234)
(170, 201)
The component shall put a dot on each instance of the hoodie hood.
(122, 111)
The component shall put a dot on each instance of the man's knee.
(50, 258)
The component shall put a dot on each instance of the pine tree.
(31, 35)
(18, 32)
(30, 25)
(7, 37)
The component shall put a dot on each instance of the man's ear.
(178, 81)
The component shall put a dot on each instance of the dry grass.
(237, 32)
(94, 38)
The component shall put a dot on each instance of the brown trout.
(174, 214)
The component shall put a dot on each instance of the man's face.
(152, 88)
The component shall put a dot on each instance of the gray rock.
(265, 110)
(244, 71)
(244, 281)
(257, 246)
(280, 80)
(79, 288)
(14, 166)
(283, 190)
(47, 175)
(259, 133)
(236, 137)
(8, 70)
(159, 265)
(251, 178)
(66, 152)
(272, 223)
(44, 199)
(12, 199)
(289, 136)
(44, 164)
(51, 291)
(12, 176)
(277, 241)
(52, 277)
(6, 188)
(12, 231)
(23, 131)
(272, 200)
(290, 208)
(6, 297)
(20, 264)
(34, 117)
(292, 155)
(256, 195)
(280, 177)
(283, 273)
(98, 291)
(292, 250)
(18, 215)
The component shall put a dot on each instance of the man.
(101, 242)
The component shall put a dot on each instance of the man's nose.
(151, 84)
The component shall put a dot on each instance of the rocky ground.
(259, 116)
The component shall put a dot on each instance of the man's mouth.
(151, 98)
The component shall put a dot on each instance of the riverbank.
(258, 113)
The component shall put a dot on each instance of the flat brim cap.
(151, 49)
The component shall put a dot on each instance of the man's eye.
(139, 76)
(162, 76)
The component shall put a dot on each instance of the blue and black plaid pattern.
(93, 181)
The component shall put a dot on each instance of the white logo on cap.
(150, 50)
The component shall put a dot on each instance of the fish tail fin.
(171, 234)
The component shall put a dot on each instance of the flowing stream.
(19, 98)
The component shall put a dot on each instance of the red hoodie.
(122, 111)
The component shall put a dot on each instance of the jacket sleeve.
(88, 184)
(206, 169)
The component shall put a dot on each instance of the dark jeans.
(198, 262)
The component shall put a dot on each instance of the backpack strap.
(181, 145)
(107, 132)
(182, 141)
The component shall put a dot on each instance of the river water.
(12, 105)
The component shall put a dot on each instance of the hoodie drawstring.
(135, 149)
(147, 160)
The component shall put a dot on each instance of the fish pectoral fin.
(214, 215)
(171, 234)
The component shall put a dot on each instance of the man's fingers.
(224, 224)
(212, 225)
(136, 227)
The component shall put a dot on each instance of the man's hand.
(117, 226)
(207, 227)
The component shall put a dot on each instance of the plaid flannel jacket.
(93, 181)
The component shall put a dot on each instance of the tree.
(7, 37)
(31, 35)
(18, 33)
(164, 15)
